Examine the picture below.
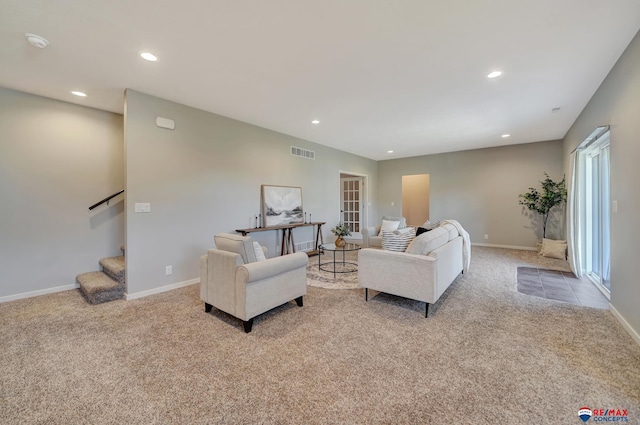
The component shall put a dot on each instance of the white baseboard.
(627, 327)
(154, 291)
(490, 245)
(38, 292)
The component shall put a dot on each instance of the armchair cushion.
(242, 245)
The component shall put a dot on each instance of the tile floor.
(560, 286)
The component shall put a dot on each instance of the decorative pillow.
(259, 252)
(421, 230)
(398, 240)
(554, 249)
(388, 226)
(430, 225)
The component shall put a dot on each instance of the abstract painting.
(281, 205)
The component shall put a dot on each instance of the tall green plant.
(541, 202)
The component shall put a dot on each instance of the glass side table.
(337, 265)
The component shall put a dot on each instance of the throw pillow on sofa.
(398, 240)
(421, 230)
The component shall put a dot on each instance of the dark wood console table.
(288, 245)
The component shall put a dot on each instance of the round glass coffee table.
(337, 265)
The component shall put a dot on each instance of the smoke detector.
(37, 41)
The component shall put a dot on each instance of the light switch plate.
(142, 207)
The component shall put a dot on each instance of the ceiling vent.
(37, 41)
(303, 153)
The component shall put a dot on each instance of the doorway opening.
(415, 199)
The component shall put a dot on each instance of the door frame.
(365, 201)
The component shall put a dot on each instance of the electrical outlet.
(486, 236)
(168, 270)
(393, 204)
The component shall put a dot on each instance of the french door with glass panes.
(351, 202)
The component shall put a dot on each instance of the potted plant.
(340, 231)
(542, 202)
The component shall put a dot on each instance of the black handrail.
(107, 199)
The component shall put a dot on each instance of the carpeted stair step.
(114, 268)
(98, 288)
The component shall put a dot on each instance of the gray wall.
(56, 159)
(479, 188)
(617, 103)
(204, 178)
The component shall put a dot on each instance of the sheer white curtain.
(574, 240)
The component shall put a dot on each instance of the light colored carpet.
(486, 355)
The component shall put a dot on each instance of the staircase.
(106, 285)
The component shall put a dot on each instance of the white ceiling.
(406, 75)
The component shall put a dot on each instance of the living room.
(204, 178)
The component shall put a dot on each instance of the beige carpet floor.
(486, 355)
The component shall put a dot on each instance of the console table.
(288, 245)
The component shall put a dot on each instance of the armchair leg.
(207, 307)
(247, 325)
(426, 310)
(366, 294)
(299, 301)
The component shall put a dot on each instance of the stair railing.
(107, 199)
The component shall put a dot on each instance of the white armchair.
(232, 280)
(370, 238)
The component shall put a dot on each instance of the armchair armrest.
(368, 232)
(261, 270)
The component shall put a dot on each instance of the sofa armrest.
(367, 232)
(261, 270)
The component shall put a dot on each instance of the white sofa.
(234, 281)
(441, 254)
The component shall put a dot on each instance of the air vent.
(305, 246)
(303, 153)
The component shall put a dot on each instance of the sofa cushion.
(398, 240)
(242, 245)
(453, 231)
(402, 220)
(427, 242)
(431, 224)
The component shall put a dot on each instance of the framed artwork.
(281, 205)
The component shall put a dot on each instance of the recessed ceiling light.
(494, 74)
(389, 151)
(315, 122)
(79, 93)
(37, 41)
(504, 136)
(149, 56)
